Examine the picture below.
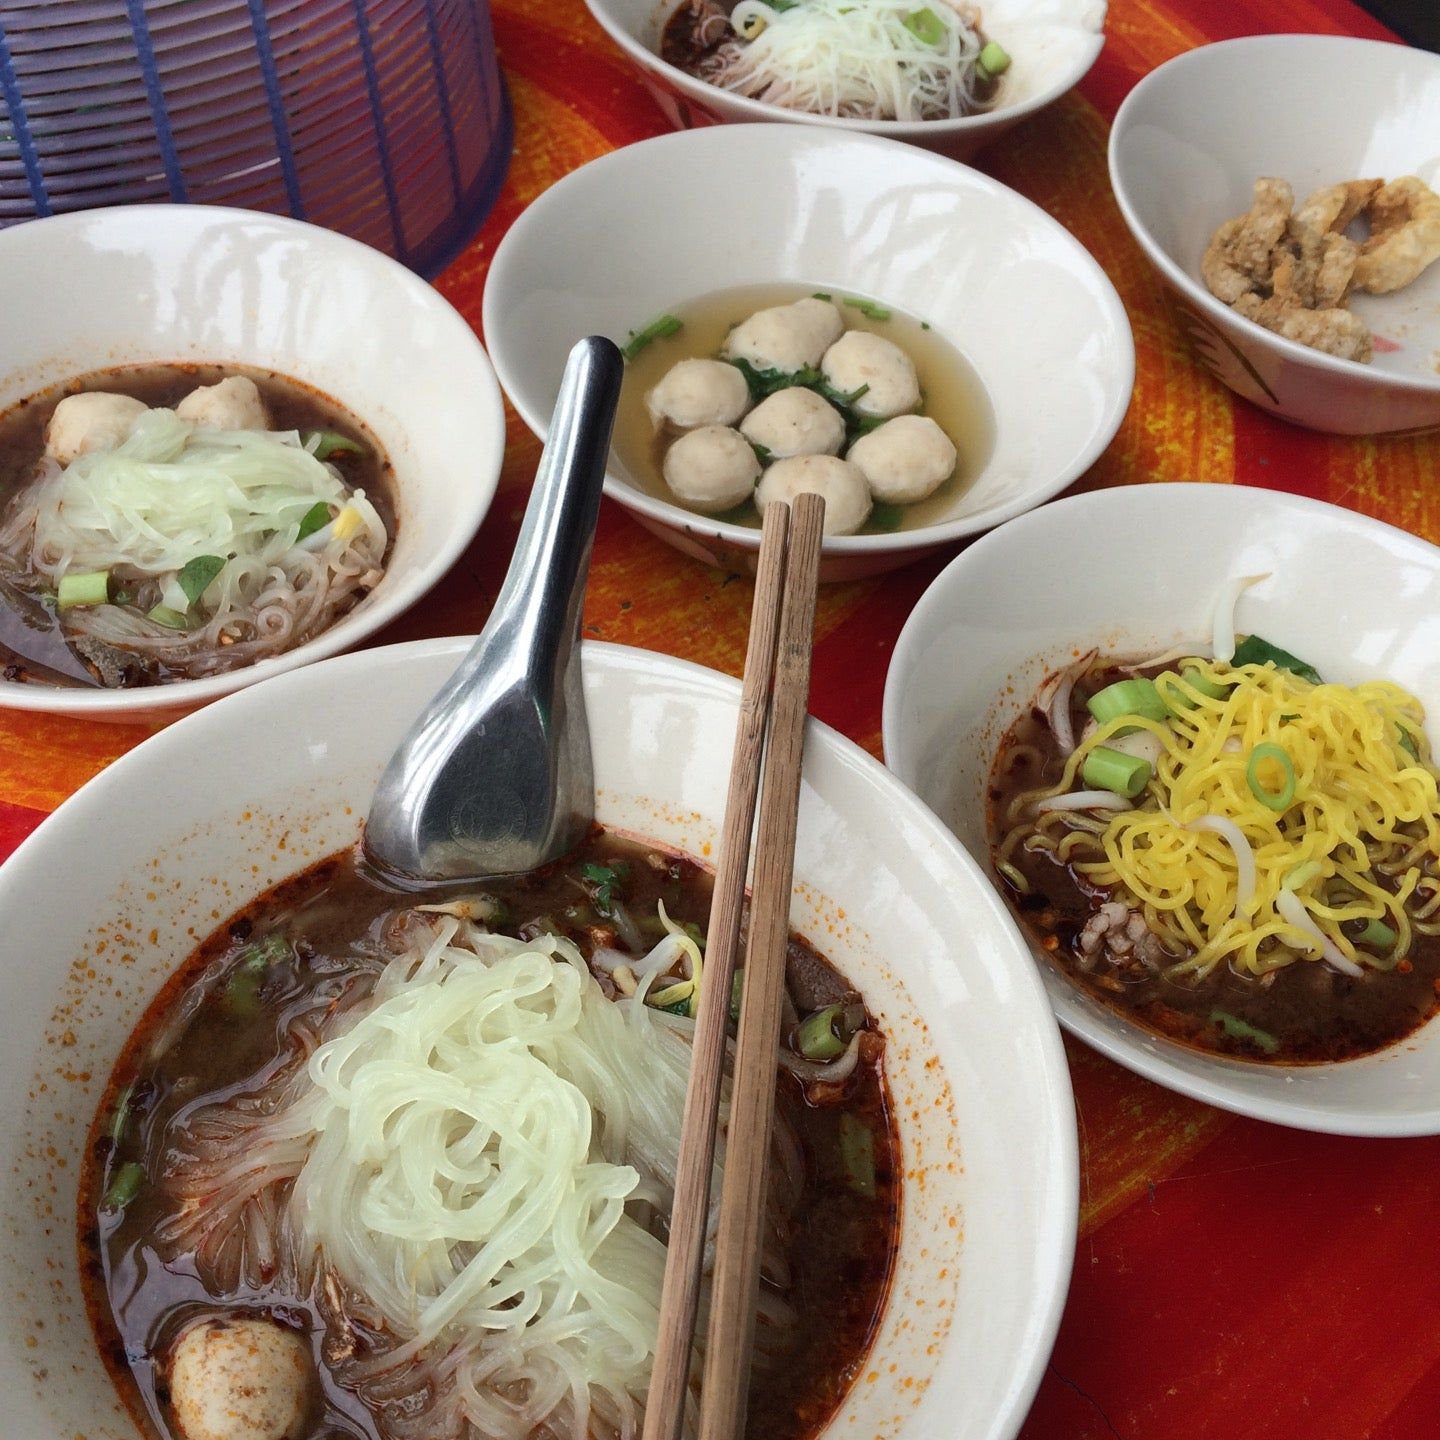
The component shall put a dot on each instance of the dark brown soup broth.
(843, 1241)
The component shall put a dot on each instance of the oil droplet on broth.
(954, 396)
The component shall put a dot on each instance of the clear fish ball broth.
(782, 425)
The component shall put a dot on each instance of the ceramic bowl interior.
(1053, 43)
(1356, 598)
(190, 283)
(1012, 290)
(175, 836)
(1194, 136)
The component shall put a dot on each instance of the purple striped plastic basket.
(384, 119)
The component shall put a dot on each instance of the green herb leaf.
(767, 382)
(331, 442)
(317, 517)
(655, 330)
(762, 452)
(886, 517)
(195, 578)
(606, 880)
(866, 423)
(926, 26)
(869, 308)
(822, 295)
(1253, 650)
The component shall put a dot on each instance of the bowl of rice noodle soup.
(1206, 787)
(949, 76)
(229, 444)
(291, 1144)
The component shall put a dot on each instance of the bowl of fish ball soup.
(197, 490)
(1205, 784)
(1297, 241)
(843, 346)
(299, 1155)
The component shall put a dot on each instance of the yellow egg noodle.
(1358, 842)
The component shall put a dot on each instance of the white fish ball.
(241, 1378)
(905, 459)
(699, 392)
(94, 420)
(786, 337)
(847, 496)
(232, 404)
(859, 358)
(712, 468)
(795, 421)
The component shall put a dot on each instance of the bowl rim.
(1056, 1232)
(469, 506)
(1192, 289)
(1127, 1047)
(742, 537)
(700, 91)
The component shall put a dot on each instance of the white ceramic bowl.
(1013, 291)
(1053, 43)
(101, 288)
(103, 902)
(1356, 598)
(1186, 148)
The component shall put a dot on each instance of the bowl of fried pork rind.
(1287, 190)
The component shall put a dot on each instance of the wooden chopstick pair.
(773, 702)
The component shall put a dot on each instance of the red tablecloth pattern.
(1233, 1280)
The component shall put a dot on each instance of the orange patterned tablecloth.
(1233, 1280)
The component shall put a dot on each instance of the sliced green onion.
(886, 517)
(195, 577)
(1276, 800)
(1107, 769)
(823, 295)
(1378, 934)
(762, 452)
(822, 1036)
(91, 588)
(317, 517)
(125, 1186)
(322, 444)
(1302, 875)
(1128, 697)
(1253, 650)
(170, 619)
(857, 1154)
(655, 330)
(1237, 1029)
(868, 308)
(926, 26)
(120, 1117)
(994, 61)
(1408, 745)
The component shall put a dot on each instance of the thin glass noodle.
(1219, 874)
(463, 1152)
(172, 492)
(869, 61)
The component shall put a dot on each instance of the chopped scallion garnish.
(993, 61)
(125, 1186)
(655, 330)
(91, 588)
(1378, 934)
(1112, 770)
(857, 1154)
(170, 619)
(886, 517)
(823, 1035)
(322, 444)
(868, 308)
(1235, 1028)
(1273, 797)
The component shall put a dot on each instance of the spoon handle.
(495, 777)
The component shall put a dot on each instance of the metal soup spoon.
(495, 777)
